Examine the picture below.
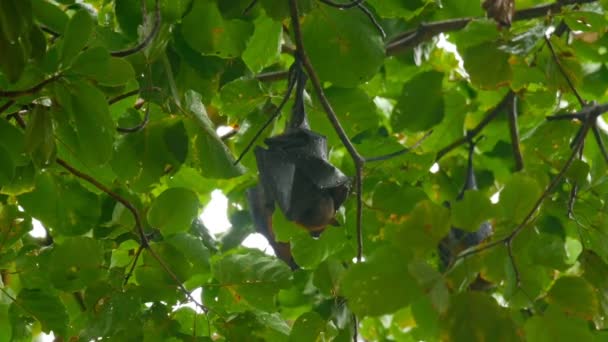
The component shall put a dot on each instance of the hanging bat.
(295, 173)
(457, 239)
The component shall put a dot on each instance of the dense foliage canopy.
(118, 119)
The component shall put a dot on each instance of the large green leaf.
(264, 47)
(174, 210)
(40, 139)
(477, 317)
(379, 285)
(344, 47)
(518, 197)
(574, 296)
(209, 151)
(421, 104)
(554, 325)
(92, 122)
(76, 37)
(63, 206)
(471, 211)
(208, 32)
(252, 277)
(75, 263)
(487, 65)
(45, 307)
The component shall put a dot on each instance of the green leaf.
(193, 249)
(208, 32)
(13, 141)
(344, 47)
(518, 197)
(554, 325)
(475, 316)
(63, 206)
(157, 283)
(421, 104)
(13, 59)
(487, 65)
(40, 138)
(50, 15)
(6, 329)
(574, 296)
(240, 97)
(7, 166)
(15, 19)
(77, 34)
(97, 64)
(379, 285)
(173, 211)
(76, 263)
(142, 158)
(396, 202)
(93, 123)
(46, 308)
(309, 252)
(117, 72)
(264, 47)
(129, 16)
(308, 327)
(209, 152)
(423, 228)
(252, 277)
(473, 210)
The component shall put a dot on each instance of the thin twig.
(509, 244)
(373, 20)
(599, 141)
(146, 119)
(580, 99)
(249, 7)
(123, 96)
(564, 117)
(348, 5)
(29, 91)
(514, 130)
(401, 152)
(6, 105)
(272, 76)
(144, 43)
(133, 264)
(491, 115)
(277, 112)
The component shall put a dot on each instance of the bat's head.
(318, 215)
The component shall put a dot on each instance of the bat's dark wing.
(277, 175)
(295, 172)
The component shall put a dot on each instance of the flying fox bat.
(457, 239)
(294, 171)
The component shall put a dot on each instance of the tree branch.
(29, 91)
(425, 31)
